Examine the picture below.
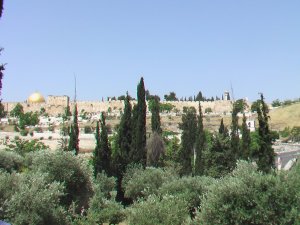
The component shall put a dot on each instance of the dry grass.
(287, 116)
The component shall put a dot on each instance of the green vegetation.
(74, 133)
(156, 179)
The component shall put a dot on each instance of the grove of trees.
(141, 176)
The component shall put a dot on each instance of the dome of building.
(36, 97)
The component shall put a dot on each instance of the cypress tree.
(124, 136)
(265, 156)
(74, 133)
(104, 150)
(96, 154)
(222, 127)
(246, 139)
(139, 154)
(235, 139)
(155, 118)
(219, 157)
(200, 144)
(188, 138)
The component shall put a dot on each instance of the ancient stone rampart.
(56, 105)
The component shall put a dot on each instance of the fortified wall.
(56, 105)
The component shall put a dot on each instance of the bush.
(22, 147)
(168, 210)
(103, 207)
(88, 130)
(11, 161)
(140, 183)
(249, 197)
(208, 110)
(8, 186)
(23, 132)
(35, 202)
(68, 169)
(189, 189)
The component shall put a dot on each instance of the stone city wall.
(56, 105)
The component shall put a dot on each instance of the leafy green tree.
(35, 202)
(141, 183)
(71, 171)
(240, 105)
(22, 147)
(247, 196)
(74, 133)
(255, 105)
(188, 138)
(200, 144)
(265, 155)
(218, 159)
(28, 119)
(276, 103)
(17, 111)
(10, 161)
(159, 211)
(139, 154)
(188, 189)
(246, 139)
(102, 206)
(155, 118)
(171, 97)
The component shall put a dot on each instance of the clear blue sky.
(181, 46)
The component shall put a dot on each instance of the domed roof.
(36, 97)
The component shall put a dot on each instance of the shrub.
(10, 161)
(8, 186)
(68, 169)
(168, 210)
(22, 146)
(140, 183)
(50, 138)
(103, 207)
(248, 197)
(88, 130)
(35, 202)
(189, 189)
(23, 132)
(208, 110)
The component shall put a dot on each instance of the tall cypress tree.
(200, 144)
(104, 148)
(139, 154)
(74, 133)
(235, 139)
(188, 138)
(155, 118)
(124, 136)
(246, 139)
(222, 127)
(96, 154)
(265, 156)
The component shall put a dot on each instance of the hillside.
(287, 116)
